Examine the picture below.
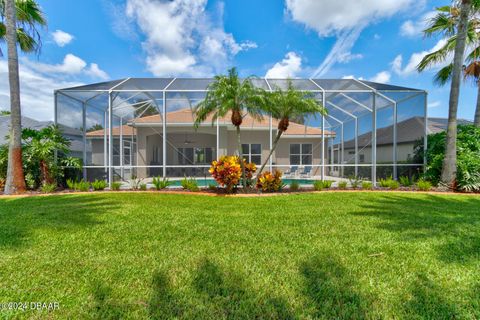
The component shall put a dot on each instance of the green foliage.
(4, 112)
(99, 185)
(160, 183)
(135, 182)
(406, 181)
(342, 185)
(83, 186)
(394, 185)
(367, 185)
(354, 181)
(116, 186)
(143, 186)
(40, 165)
(189, 184)
(468, 157)
(294, 185)
(389, 183)
(424, 185)
(48, 187)
(71, 184)
(319, 185)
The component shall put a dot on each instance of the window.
(195, 155)
(361, 158)
(301, 154)
(252, 152)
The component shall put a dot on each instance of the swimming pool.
(202, 182)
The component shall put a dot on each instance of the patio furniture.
(306, 172)
(291, 172)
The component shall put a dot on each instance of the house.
(190, 151)
(73, 135)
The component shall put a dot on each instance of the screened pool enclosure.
(143, 127)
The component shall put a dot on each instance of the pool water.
(202, 182)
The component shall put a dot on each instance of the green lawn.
(327, 255)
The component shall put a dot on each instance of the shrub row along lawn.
(332, 255)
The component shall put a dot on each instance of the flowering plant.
(270, 182)
(228, 172)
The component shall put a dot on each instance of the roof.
(38, 125)
(185, 116)
(408, 131)
(192, 84)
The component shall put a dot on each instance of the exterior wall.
(97, 152)
(384, 153)
(282, 153)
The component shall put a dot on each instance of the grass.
(332, 255)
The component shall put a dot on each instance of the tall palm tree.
(284, 105)
(22, 31)
(29, 16)
(449, 168)
(472, 71)
(228, 94)
(445, 23)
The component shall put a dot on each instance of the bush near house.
(270, 182)
(228, 172)
(468, 157)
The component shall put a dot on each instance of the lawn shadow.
(104, 305)
(332, 290)
(428, 301)
(217, 294)
(456, 221)
(19, 217)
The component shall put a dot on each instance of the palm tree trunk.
(240, 154)
(15, 179)
(476, 120)
(274, 146)
(449, 169)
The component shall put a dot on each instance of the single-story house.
(300, 145)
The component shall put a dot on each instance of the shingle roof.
(408, 131)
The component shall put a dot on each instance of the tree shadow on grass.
(104, 305)
(332, 290)
(218, 294)
(454, 219)
(19, 217)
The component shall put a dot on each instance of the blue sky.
(95, 40)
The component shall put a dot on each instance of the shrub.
(319, 185)
(294, 185)
(160, 183)
(228, 172)
(354, 182)
(367, 185)
(424, 185)
(2, 184)
(135, 182)
(115, 186)
(190, 184)
(394, 185)
(71, 184)
(468, 157)
(342, 185)
(143, 186)
(48, 187)
(83, 186)
(270, 182)
(212, 186)
(405, 181)
(98, 185)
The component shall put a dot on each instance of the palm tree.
(472, 71)
(449, 168)
(284, 105)
(228, 94)
(29, 15)
(25, 33)
(444, 23)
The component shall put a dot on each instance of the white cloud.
(329, 17)
(94, 71)
(289, 67)
(36, 90)
(343, 19)
(181, 38)
(434, 104)
(415, 28)
(415, 58)
(62, 38)
(71, 65)
(382, 77)
(348, 56)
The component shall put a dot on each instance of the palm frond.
(444, 75)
